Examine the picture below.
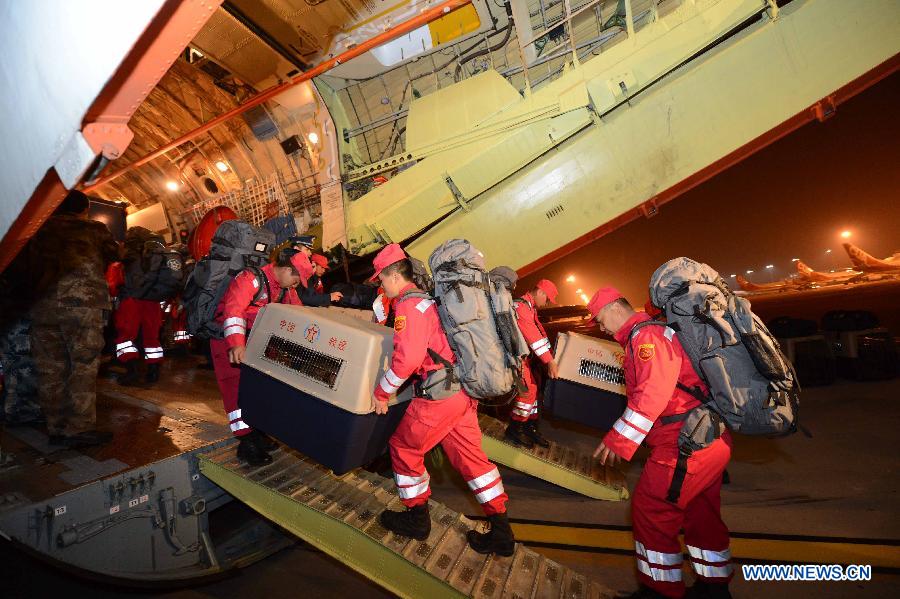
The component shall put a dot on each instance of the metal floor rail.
(339, 515)
(558, 464)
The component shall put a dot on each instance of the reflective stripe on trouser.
(135, 317)
(228, 376)
(525, 407)
(711, 564)
(658, 522)
(452, 422)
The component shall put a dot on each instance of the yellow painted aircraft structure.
(529, 177)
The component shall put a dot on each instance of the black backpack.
(236, 247)
(152, 271)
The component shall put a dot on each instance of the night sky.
(789, 200)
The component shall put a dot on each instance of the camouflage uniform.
(69, 256)
(20, 390)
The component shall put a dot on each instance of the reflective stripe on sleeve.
(235, 415)
(628, 432)
(638, 421)
(238, 426)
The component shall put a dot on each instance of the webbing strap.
(678, 477)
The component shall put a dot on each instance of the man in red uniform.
(441, 412)
(522, 429)
(657, 374)
(313, 294)
(247, 293)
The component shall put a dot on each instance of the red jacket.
(532, 329)
(654, 363)
(237, 310)
(417, 329)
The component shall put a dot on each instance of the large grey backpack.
(236, 246)
(753, 388)
(477, 315)
(752, 384)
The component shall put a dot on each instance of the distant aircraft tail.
(866, 262)
(806, 272)
(746, 285)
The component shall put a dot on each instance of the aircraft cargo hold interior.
(460, 298)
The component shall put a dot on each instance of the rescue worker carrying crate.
(222, 298)
(441, 412)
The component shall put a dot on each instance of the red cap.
(387, 256)
(603, 297)
(549, 288)
(320, 260)
(652, 310)
(301, 263)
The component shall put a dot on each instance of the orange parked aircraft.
(778, 286)
(814, 276)
(868, 263)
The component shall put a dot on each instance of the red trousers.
(132, 317)
(525, 407)
(452, 422)
(657, 522)
(228, 376)
(180, 333)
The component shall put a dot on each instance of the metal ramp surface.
(558, 464)
(339, 515)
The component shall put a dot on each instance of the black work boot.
(152, 373)
(531, 429)
(706, 590)
(263, 441)
(515, 432)
(131, 376)
(414, 522)
(499, 539)
(82, 440)
(251, 452)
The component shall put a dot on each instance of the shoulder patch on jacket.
(424, 305)
(399, 323)
(646, 351)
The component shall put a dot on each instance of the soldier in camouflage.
(68, 258)
(20, 392)
(18, 399)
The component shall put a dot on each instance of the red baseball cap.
(652, 310)
(302, 265)
(320, 260)
(549, 288)
(387, 256)
(603, 297)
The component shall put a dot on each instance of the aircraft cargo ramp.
(339, 515)
(558, 464)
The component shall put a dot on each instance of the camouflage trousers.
(66, 344)
(19, 400)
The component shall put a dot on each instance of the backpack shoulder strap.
(260, 276)
(414, 294)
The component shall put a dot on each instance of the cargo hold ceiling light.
(221, 166)
(171, 185)
(313, 137)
